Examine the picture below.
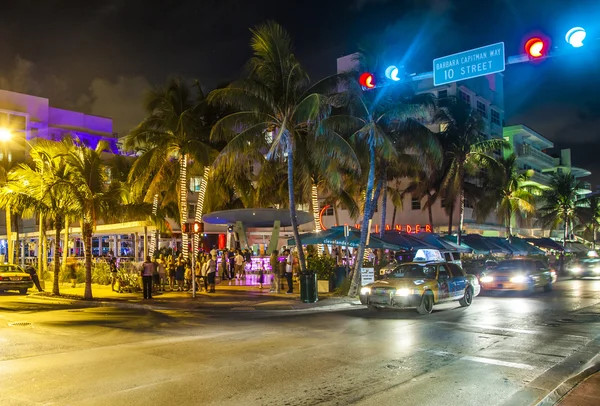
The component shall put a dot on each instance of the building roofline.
(522, 127)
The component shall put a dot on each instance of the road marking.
(492, 361)
(486, 327)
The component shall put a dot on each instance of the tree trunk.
(183, 203)
(65, 252)
(383, 205)
(508, 228)
(293, 218)
(57, 229)
(9, 242)
(429, 210)
(355, 284)
(594, 236)
(565, 232)
(87, 232)
(154, 241)
(40, 251)
(394, 217)
(200, 208)
(461, 176)
(44, 249)
(336, 214)
(450, 218)
(17, 242)
(315, 208)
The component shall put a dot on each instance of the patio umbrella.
(335, 236)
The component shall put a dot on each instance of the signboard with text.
(367, 275)
(469, 64)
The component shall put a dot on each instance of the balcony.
(541, 178)
(529, 152)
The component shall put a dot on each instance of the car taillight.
(25, 278)
(1, 278)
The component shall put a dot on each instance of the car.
(585, 267)
(421, 285)
(13, 277)
(519, 274)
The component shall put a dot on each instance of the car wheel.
(23, 291)
(467, 299)
(374, 308)
(426, 305)
(548, 287)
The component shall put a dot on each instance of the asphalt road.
(505, 349)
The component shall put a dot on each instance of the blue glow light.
(575, 36)
(392, 73)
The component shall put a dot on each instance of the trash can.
(308, 287)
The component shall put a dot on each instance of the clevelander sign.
(469, 64)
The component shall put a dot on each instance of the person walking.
(211, 273)
(274, 262)
(239, 265)
(34, 277)
(72, 265)
(180, 273)
(231, 258)
(162, 272)
(289, 272)
(147, 272)
(113, 273)
(204, 271)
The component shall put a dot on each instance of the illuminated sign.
(575, 37)
(367, 80)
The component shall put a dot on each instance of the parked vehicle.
(519, 274)
(421, 285)
(13, 277)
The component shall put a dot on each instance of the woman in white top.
(211, 273)
(289, 272)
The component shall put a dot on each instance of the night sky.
(100, 56)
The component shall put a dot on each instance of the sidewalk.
(587, 393)
(234, 297)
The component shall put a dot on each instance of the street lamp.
(5, 134)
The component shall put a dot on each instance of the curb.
(562, 391)
(233, 308)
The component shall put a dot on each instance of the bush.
(101, 273)
(322, 265)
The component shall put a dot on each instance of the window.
(18, 123)
(415, 203)
(442, 94)
(442, 273)
(328, 211)
(495, 117)
(482, 109)
(465, 97)
(468, 204)
(456, 270)
(195, 183)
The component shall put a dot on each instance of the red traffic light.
(197, 227)
(537, 47)
(367, 80)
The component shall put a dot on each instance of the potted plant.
(323, 266)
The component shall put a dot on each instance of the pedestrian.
(211, 273)
(261, 275)
(247, 260)
(204, 271)
(155, 276)
(274, 262)
(222, 267)
(162, 272)
(180, 273)
(147, 272)
(72, 265)
(231, 257)
(289, 272)
(171, 266)
(188, 276)
(213, 252)
(239, 265)
(113, 273)
(198, 274)
(34, 277)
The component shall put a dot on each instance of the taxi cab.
(421, 285)
(12, 277)
(519, 274)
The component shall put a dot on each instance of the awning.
(546, 243)
(480, 245)
(577, 247)
(525, 246)
(407, 241)
(335, 236)
(442, 244)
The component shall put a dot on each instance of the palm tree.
(375, 118)
(466, 148)
(508, 192)
(170, 141)
(275, 108)
(560, 203)
(94, 196)
(591, 216)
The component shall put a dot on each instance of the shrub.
(322, 265)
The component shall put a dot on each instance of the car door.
(458, 281)
(443, 279)
(543, 271)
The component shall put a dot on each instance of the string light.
(154, 237)
(316, 216)
(183, 202)
(200, 205)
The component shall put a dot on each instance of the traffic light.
(196, 227)
(537, 47)
(575, 37)
(367, 80)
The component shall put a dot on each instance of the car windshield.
(513, 265)
(413, 271)
(10, 268)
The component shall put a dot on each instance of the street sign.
(469, 64)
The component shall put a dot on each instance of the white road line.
(492, 361)
(486, 327)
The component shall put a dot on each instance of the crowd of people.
(174, 273)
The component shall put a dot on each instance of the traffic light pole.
(193, 274)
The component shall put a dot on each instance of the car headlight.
(486, 279)
(597, 269)
(518, 279)
(403, 292)
(365, 291)
(576, 269)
